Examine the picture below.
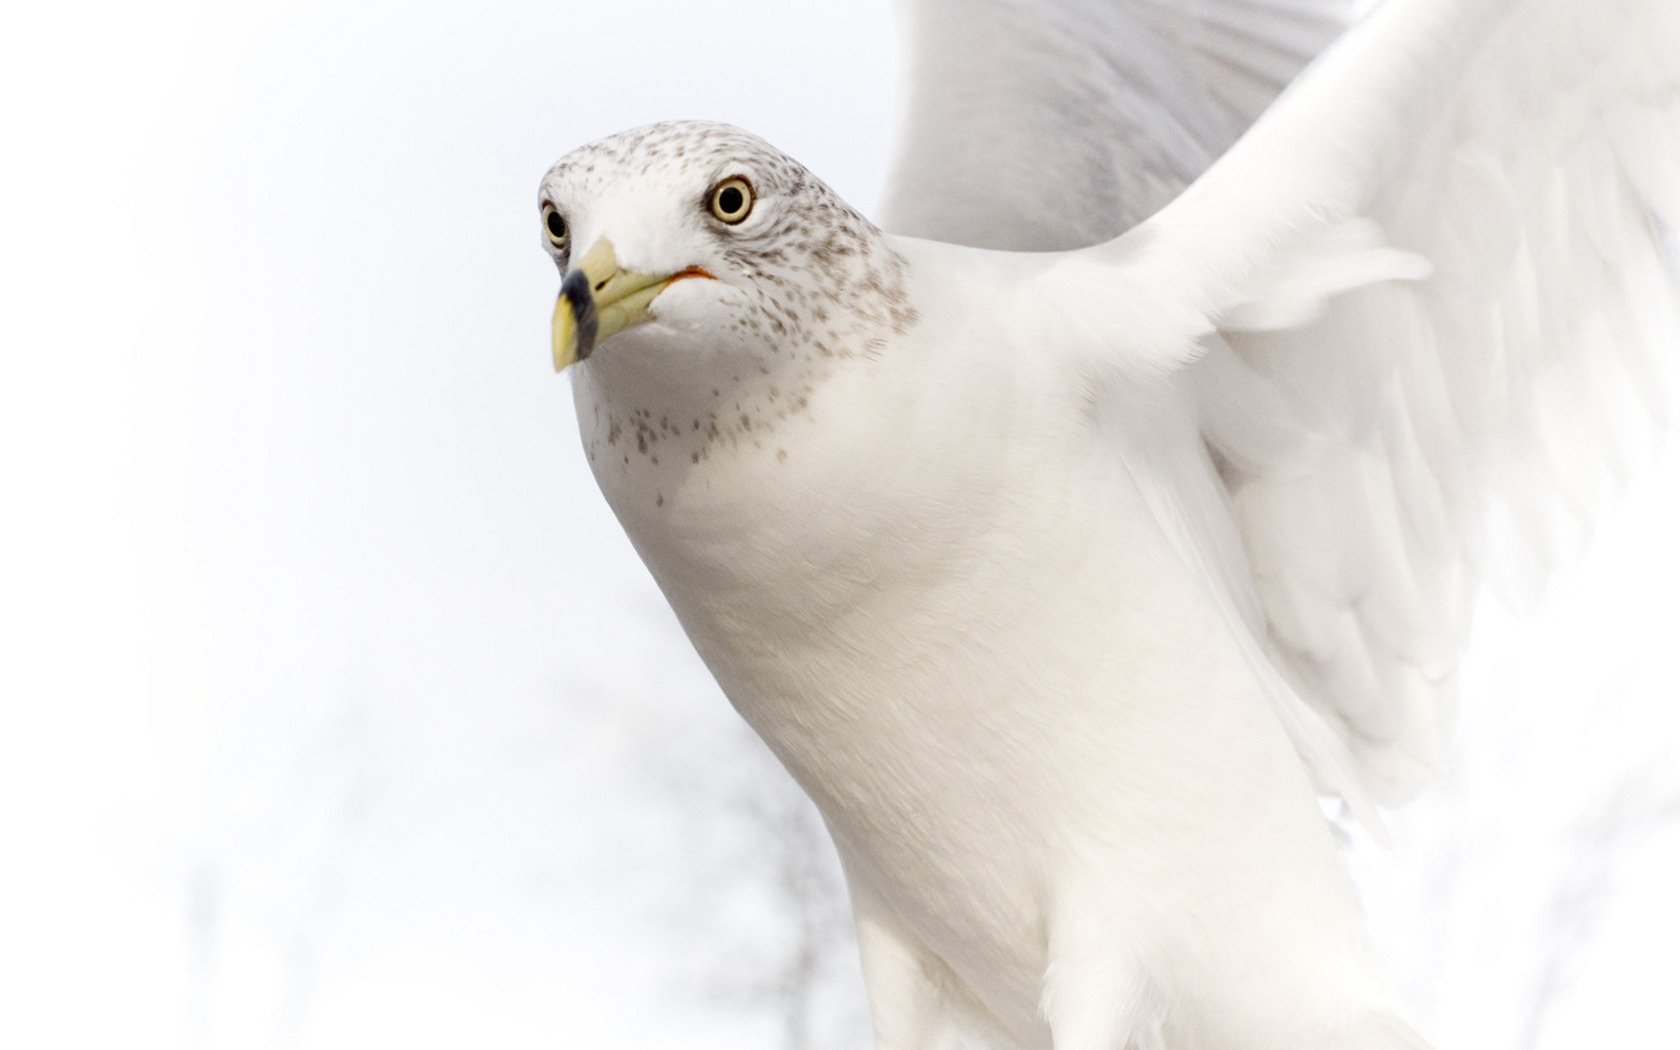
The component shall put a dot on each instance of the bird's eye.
(555, 224)
(732, 200)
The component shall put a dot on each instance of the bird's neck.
(797, 496)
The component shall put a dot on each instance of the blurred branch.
(1638, 807)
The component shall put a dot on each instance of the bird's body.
(1063, 581)
(911, 648)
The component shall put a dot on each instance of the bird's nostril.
(602, 283)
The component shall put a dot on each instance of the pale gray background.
(337, 711)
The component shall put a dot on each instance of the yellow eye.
(555, 223)
(732, 200)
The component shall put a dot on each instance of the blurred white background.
(337, 710)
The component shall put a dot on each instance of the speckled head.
(697, 240)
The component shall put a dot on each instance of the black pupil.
(730, 200)
(556, 225)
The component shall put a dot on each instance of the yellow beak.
(597, 299)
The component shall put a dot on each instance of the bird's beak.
(598, 299)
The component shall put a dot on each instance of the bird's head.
(694, 237)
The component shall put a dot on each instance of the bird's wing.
(1425, 307)
(1045, 124)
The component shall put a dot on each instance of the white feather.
(1524, 154)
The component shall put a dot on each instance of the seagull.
(1073, 542)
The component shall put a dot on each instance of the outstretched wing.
(1430, 301)
(1046, 124)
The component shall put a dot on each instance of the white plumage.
(1062, 580)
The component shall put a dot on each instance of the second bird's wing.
(1043, 124)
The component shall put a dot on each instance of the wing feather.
(1459, 421)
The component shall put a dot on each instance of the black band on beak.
(576, 290)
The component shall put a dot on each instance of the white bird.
(1064, 579)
